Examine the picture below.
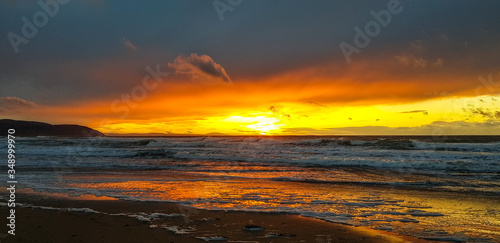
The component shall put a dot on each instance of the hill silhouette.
(34, 129)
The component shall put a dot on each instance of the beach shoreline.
(49, 218)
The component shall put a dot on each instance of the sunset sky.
(253, 67)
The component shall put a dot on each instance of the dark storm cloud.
(258, 38)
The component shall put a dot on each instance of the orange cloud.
(305, 100)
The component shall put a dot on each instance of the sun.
(260, 124)
(265, 125)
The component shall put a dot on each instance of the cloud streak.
(14, 104)
(425, 112)
(419, 62)
(128, 44)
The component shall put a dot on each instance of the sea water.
(435, 188)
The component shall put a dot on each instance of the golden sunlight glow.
(263, 125)
(297, 118)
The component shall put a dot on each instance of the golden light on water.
(395, 208)
(398, 209)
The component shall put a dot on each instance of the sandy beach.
(42, 218)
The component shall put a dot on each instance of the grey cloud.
(202, 68)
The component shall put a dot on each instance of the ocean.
(441, 188)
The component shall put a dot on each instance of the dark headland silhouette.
(33, 129)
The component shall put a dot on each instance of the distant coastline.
(35, 129)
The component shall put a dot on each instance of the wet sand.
(43, 218)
